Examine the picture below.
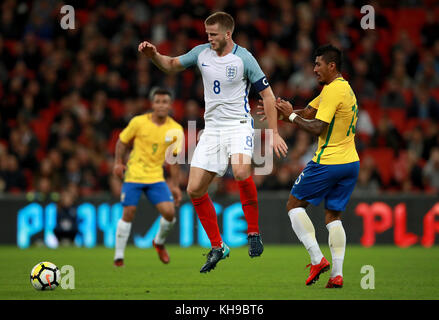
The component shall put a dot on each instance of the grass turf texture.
(279, 274)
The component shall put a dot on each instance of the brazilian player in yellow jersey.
(332, 173)
(151, 137)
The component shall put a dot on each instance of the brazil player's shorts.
(155, 192)
(215, 147)
(334, 183)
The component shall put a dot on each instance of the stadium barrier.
(401, 220)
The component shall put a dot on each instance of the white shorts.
(215, 147)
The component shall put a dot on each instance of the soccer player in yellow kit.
(332, 173)
(152, 136)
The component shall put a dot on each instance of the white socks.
(165, 227)
(337, 245)
(122, 234)
(304, 230)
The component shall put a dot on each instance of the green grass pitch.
(279, 274)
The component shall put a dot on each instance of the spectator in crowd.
(386, 135)
(43, 191)
(393, 97)
(415, 141)
(12, 175)
(399, 75)
(429, 29)
(407, 53)
(46, 170)
(427, 74)
(424, 106)
(369, 182)
(303, 82)
(431, 139)
(430, 171)
(407, 175)
(363, 87)
(192, 112)
(372, 59)
(365, 129)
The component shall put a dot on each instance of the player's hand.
(279, 146)
(176, 193)
(148, 49)
(261, 110)
(284, 108)
(119, 169)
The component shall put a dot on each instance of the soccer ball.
(45, 276)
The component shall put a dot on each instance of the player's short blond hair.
(224, 20)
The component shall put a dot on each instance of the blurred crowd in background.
(65, 95)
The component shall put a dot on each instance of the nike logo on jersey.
(204, 65)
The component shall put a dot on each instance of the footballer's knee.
(129, 213)
(168, 213)
(195, 191)
(241, 174)
(293, 203)
(331, 215)
(241, 171)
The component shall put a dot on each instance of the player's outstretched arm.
(307, 113)
(313, 126)
(269, 102)
(164, 63)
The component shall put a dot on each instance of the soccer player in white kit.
(228, 71)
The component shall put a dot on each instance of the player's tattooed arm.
(313, 126)
(307, 113)
(304, 118)
(165, 63)
(119, 165)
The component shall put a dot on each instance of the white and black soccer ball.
(45, 276)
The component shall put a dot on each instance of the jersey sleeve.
(252, 70)
(129, 132)
(315, 102)
(330, 100)
(190, 58)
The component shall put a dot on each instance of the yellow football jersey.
(336, 105)
(150, 142)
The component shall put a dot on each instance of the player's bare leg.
(199, 181)
(241, 167)
(305, 231)
(167, 222)
(337, 245)
(122, 234)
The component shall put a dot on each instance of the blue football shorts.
(332, 182)
(155, 192)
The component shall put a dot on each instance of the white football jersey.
(227, 81)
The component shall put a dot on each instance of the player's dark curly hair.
(329, 53)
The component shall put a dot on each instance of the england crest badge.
(231, 72)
